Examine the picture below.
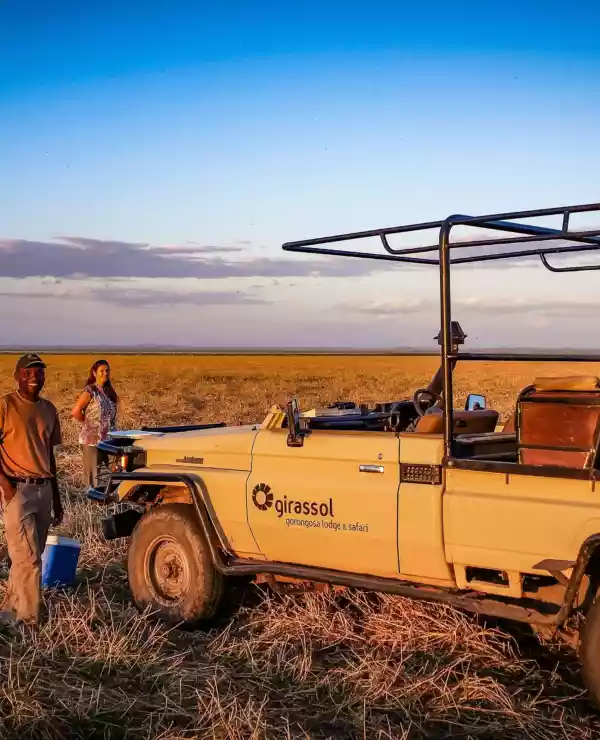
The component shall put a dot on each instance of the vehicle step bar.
(482, 605)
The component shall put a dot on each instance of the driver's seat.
(483, 421)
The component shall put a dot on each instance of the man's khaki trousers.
(27, 519)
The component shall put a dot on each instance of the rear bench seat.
(557, 422)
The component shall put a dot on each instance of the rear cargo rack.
(440, 255)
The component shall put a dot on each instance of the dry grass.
(304, 666)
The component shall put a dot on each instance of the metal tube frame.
(586, 241)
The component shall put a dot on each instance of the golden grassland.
(302, 665)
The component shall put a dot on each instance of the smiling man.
(30, 430)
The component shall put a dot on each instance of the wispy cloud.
(75, 256)
(81, 256)
(115, 247)
(389, 308)
(131, 297)
(564, 307)
(142, 297)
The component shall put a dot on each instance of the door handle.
(371, 468)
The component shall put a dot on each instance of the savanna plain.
(305, 664)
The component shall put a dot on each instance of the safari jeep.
(412, 497)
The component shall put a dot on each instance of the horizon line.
(149, 349)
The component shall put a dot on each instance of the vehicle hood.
(223, 447)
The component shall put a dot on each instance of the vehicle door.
(332, 502)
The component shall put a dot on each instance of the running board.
(483, 605)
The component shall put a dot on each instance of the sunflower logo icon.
(262, 497)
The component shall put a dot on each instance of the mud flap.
(121, 524)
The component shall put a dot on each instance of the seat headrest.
(568, 383)
(430, 424)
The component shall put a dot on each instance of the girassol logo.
(263, 499)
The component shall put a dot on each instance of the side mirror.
(295, 432)
(475, 402)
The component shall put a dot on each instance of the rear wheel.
(170, 568)
(589, 652)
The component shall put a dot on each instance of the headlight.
(128, 461)
(123, 459)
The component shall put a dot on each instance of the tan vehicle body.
(340, 502)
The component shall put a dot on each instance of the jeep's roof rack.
(519, 233)
(587, 240)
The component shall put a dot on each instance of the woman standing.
(96, 410)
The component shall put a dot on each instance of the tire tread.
(179, 520)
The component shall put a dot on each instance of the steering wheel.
(417, 400)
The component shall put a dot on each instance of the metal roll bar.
(585, 241)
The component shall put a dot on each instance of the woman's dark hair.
(108, 389)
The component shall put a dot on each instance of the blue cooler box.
(59, 561)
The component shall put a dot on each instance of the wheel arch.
(153, 492)
(151, 489)
(587, 564)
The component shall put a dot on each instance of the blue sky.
(225, 131)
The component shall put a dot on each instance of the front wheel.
(170, 569)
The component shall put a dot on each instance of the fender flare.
(207, 516)
(586, 551)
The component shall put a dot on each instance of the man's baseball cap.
(31, 359)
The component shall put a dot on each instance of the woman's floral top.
(100, 417)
